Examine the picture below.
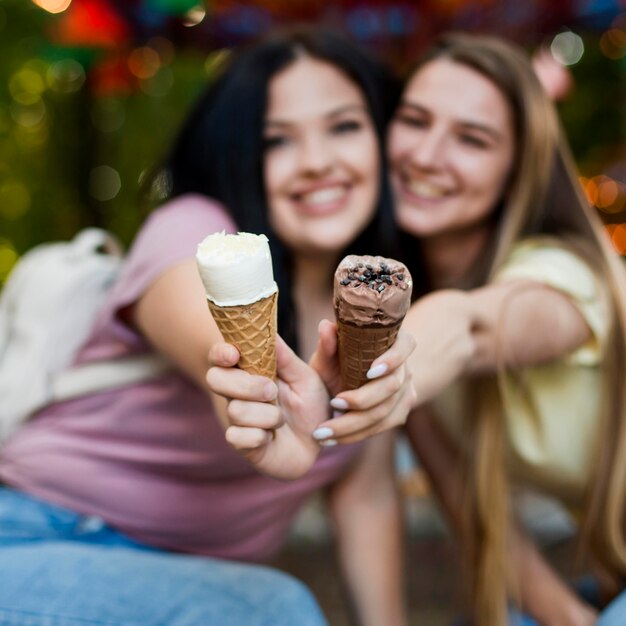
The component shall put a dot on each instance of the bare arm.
(173, 315)
(519, 323)
(366, 509)
(544, 595)
(460, 333)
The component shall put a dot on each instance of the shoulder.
(555, 263)
(190, 212)
(176, 227)
(169, 236)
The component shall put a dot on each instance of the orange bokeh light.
(619, 238)
(608, 192)
(53, 6)
(144, 62)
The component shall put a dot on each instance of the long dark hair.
(219, 150)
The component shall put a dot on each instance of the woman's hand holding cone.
(274, 436)
(375, 407)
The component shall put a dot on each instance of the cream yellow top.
(551, 411)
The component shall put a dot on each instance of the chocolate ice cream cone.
(371, 298)
(358, 347)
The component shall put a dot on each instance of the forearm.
(442, 326)
(543, 594)
(367, 516)
(514, 324)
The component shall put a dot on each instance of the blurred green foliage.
(76, 143)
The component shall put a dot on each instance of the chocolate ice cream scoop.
(372, 294)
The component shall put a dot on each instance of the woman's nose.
(429, 151)
(315, 155)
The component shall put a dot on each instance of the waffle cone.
(358, 347)
(252, 329)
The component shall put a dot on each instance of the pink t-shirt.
(151, 459)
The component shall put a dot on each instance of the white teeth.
(323, 196)
(426, 190)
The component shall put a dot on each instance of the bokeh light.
(26, 86)
(53, 6)
(215, 60)
(144, 62)
(618, 238)
(28, 115)
(607, 194)
(567, 48)
(104, 183)
(160, 186)
(194, 16)
(65, 76)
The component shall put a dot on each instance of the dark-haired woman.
(129, 506)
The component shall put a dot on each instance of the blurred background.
(92, 90)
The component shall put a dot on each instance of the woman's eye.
(348, 126)
(409, 120)
(275, 141)
(472, 140)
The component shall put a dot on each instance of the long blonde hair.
(543, 197)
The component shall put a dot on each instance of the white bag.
(47, 310)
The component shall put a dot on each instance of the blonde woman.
(521, 342)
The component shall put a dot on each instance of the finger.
(324, 360)
(328, 338)
(223, 355)
(359, 425)
(289, 366)
(394, 357)
(254, 415)
(371, 394)
(246, 439)
(235, 383)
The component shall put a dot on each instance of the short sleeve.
(565, 271)
(169, 236)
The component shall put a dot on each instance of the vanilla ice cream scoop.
(236, 269)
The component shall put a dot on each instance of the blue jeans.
(58, 568)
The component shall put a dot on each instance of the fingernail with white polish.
(338, 413)
(328, 443)
(377, 371)
(339, 403)
(323, 433)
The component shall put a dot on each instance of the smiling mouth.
(327, 198)
(424, 190)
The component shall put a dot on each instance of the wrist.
(571, 614)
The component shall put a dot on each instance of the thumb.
(325, 360)
(289, 366)
(328, 339)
